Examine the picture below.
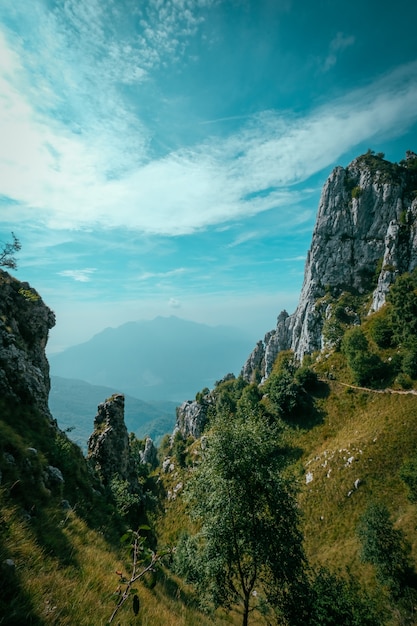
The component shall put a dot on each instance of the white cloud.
(243, 238)
(338, 44)
(82, 276)
(169, 274)
(100, 173)
(174, 303)
(294, 258)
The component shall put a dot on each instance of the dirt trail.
(412, 392)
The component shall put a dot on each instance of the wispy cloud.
(82, 276)
(169, 274)
(76, 154)
(337, 45)
(294, 258)
(243, 238)
(173, 303)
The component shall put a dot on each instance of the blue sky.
(166, 157)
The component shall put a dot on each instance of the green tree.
(284, 393)
(403, 298)
(385, 547)
(7, 253)
(367, 367)
(340, 600)
(408, 474)
(380, 328)
(250, 545)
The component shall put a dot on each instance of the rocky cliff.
(25, 322)
(365, 236)
(108, 446)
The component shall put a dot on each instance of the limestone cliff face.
(192, 415)
(191, 418)
(25, 322)
(365, 236)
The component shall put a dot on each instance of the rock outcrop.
(108, 446)
(25, 322)
(365, 236)
(149, 455)
(191, 418)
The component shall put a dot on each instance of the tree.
(7, 253)
(249, 547)
(403, 298)
(385, 547)
(341, 600)
(367, 367)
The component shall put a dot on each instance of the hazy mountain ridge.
(161, 359)
(74, 404)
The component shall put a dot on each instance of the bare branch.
(7, 254)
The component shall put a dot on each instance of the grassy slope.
(66, 574)
(365, 436)
(361, 435)
(80, 588)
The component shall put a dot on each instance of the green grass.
(365, 436)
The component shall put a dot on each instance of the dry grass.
(365, 436)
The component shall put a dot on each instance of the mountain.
(162, 359)
(73, 403)
(346, 424)
(365, 236)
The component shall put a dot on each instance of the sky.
(166, 157)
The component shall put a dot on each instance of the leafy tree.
(354, 341)
(283, 392)
(340, 600)
(385, 547)
(249, 545)
(307, 378)
(380, 328)
(403, 298)
(408, 474)
(7, 253)
(124, 499)
(367, 367)
(249, 400)
(409, 361)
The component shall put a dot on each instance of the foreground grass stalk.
(137, 546)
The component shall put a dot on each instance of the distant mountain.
(73, 403)
(167, 358)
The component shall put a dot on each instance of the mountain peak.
(364, 237)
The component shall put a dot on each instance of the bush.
(357, 192)
(283, 393)
(340, 600)
(409, 361)
(367, 367)
(380, 329)
(307, 378)
(408, 474)
(385, 547)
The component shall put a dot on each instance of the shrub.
(408, 474)
(385, 547)
(409, 361)
(380, 329)
(307, 378)
(340, 600)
